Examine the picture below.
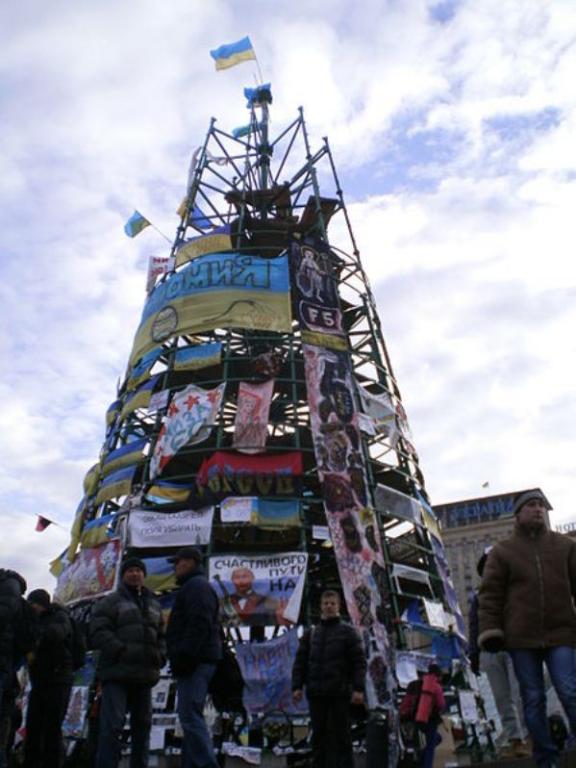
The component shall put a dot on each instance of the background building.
(468, 527)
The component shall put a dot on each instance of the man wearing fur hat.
(128, 629)
(526, 606)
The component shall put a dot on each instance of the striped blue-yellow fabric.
(127, 455)
(160, 574)
(233, 53)
(199, 356)
(141, 371)
(140, 398)
(96, 531)
(117, 484)
(165, 492)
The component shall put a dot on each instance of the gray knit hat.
(527, 496)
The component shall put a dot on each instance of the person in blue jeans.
(194, 649)
(526, 606)
(127, 628)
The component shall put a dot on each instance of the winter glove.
(475, 663)
(493, 644)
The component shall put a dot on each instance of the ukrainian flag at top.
(234, 53)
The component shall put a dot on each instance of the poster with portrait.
(251, 423)
(259, 590)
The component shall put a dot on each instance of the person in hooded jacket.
(526, 606)
(127, 628)
(194, 649)
(51, 672)
(17, 637)
(331, 666)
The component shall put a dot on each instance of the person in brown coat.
(526, 606)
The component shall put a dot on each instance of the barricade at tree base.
(260, 420)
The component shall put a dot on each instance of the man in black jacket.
(51, 672)
(128, 629)
(17, 636)
(194, 648)
(330, 664)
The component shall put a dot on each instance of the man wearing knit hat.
(526, 605)
(51, 669)
(128, 629)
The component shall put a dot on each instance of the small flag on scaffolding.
(234, 53)
(42, 523)
(135, 224)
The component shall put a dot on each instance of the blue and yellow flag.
(58, 565)
(166, 492)
(199, 356)
(218, 240)
(117, 484)
(98, 531)
(92, 478)
(112, 412)
(141, 371)
(125, 456)
(140, 398)
(234, 53)
(135, 224)
(160, 574)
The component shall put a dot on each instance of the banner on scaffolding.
(91, 574)
(259, 590)
(316, 299)
(149, 530)
(217, 291)
(228, 474)
(353, 527)
(267, 672)
(251, 423)
(190, 419)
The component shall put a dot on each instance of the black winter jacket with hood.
(52, 662)
(330, 660)
(193, 633)
(128, 630)
(17, 622)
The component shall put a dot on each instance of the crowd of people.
(522, 619)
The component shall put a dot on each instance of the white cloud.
(468, 250)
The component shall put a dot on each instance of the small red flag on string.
(42, 523)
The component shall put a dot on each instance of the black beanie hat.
(132, 562)
(39, 597)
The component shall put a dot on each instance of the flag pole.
(258, 68)
(160, 232)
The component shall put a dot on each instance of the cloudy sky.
(452, 124)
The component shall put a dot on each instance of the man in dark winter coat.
(330, 664)
(51, 672)
(128, 629)
(194, 649)
(526, 605)
(17, 636)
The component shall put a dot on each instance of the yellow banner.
(262, 311)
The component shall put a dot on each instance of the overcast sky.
(452, 125)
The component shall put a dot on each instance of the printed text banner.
(170, 529)
(217, 291)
